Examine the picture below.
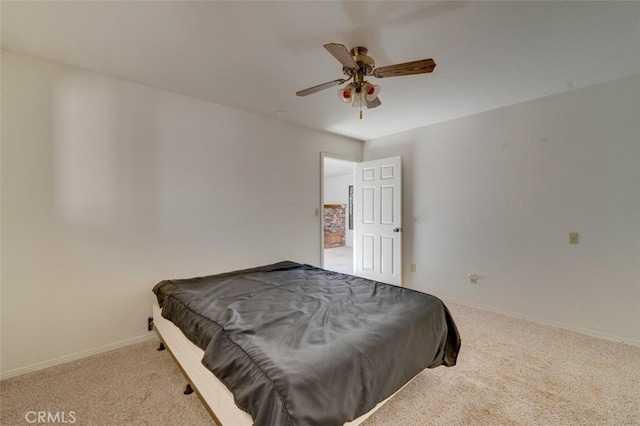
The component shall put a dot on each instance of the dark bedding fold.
(298, 345)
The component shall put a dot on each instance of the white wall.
(496, 194)
(336, 191)
(109, 187)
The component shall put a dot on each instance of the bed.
(292, 344)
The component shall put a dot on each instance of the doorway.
(337, 213)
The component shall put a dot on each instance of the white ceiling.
(254, 56)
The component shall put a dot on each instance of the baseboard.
(580, 330)
(76, 356)
(152, 336)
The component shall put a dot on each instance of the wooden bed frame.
(212, 392)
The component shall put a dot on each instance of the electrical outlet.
(150, 323)
(413, 267)
(473, 279)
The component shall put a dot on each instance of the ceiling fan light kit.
(357, 65)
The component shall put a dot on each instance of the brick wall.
(334, 225)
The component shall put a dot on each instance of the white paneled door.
(378, 220)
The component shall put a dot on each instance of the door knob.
(397, 229)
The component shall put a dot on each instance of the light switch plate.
(574, 238)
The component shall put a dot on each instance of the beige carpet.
(510, 372)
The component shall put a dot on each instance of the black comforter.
(298, 345)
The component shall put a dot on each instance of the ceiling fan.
(357, 65)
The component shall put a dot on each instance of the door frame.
(320, 211)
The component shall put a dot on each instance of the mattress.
(214, 394)
(297, 344)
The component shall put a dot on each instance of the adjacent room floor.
(339, 259)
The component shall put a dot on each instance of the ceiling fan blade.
(340, 52)
(374, 103)
(320, 87)
(415, 67)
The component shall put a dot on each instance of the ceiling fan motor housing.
(366, 64)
